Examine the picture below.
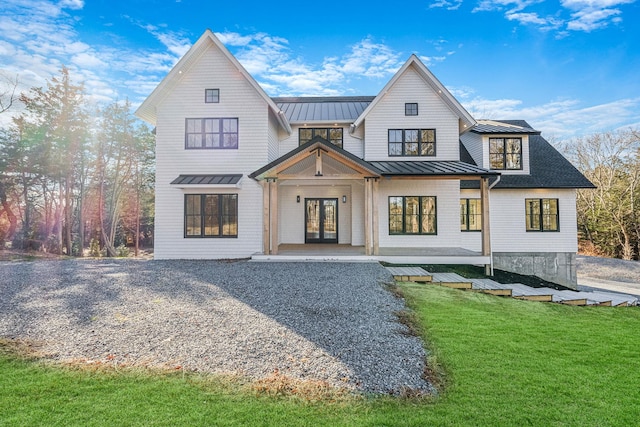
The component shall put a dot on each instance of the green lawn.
(506, 362)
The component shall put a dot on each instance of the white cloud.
(584, 15)
(559, 118)
(511, 5)
(71, 4)
(447, 4)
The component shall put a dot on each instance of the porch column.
(486, 228)
(374, 207)
(273, 214)
(266, 248)
(367, 216)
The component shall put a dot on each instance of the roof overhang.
(316, 147)
(465, 120)
(443, 169)
(208, 181)
(147, 110)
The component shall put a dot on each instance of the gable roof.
(465, 119)
(147, 110)
(317, 142)
(338, 109)
(548, 169)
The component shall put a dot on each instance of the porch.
(349, 253)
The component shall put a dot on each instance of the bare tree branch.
(8, 88)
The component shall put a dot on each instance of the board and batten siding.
(447, 194)
(433, 113)
(508, 222)
(237, 99)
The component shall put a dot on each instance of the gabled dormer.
(413, 118)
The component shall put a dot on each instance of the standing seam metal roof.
(323, 109)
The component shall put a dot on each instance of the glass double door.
(321, 221)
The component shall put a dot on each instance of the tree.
(124, 156)
(57, 119)
(8, 88)
(607, 216)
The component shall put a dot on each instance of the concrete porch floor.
(348, 253)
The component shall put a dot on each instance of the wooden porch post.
(367, 216)
(265, 216)
(374, 207)
(486, 228)
(273, 214)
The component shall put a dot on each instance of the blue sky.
(569, 67)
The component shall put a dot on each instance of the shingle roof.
(504, 126)
(230, 179)
(548, 169)
(323, 109)
(433, 167)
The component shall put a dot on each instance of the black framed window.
(411, 109)
(542, 214)
(412, 142)
(470, 215)
(211, 215)
(211, 133)
(505, 153)
(412, 215)
(211, 96)
(333, 135)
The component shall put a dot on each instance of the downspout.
(489, 196)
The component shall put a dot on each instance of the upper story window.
(411, 109)
(470, 214)
(542, 215)
(505, 153)
(334, 135)
(211, 96)
(412, 142)
(412, 215)
(211, 133)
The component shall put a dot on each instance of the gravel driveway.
(312, 321)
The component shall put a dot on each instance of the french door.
(321, 220)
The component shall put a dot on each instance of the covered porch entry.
(322, 202)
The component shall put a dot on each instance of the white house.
(407, 175)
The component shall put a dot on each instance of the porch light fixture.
(344, 199)
(298, 198)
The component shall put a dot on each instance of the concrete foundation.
(556, 267)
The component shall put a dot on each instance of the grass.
(505, 362)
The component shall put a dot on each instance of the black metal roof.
(433, 167)
(504, 126)
(323, 109)
(548, 169)
(230, 179)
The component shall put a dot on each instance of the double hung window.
(470, 214)
(542, 215)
